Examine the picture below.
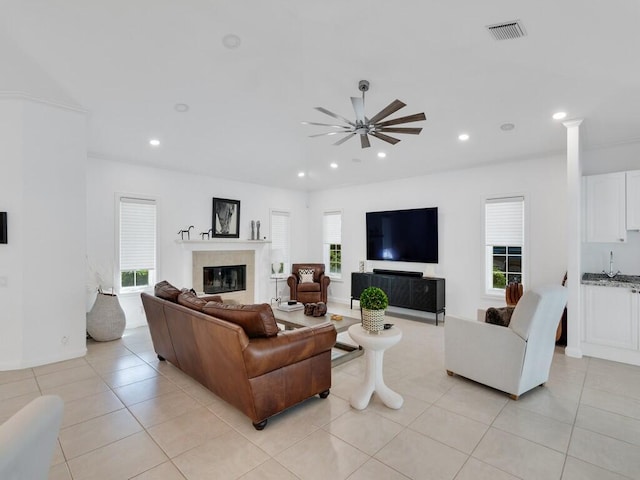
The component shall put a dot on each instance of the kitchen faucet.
(610, 273)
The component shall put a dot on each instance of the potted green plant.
(373, 303)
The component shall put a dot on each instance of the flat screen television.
(403, 235)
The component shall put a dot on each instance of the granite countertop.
(620, 281)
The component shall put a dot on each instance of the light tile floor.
(127, 415)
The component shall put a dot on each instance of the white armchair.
(513, 359)
(28, 438)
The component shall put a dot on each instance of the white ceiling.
(128, 62)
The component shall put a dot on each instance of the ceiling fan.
(374, 126)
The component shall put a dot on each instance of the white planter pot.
(372, 320)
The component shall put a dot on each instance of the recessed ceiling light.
(231, 41)
(559, 115)
(463, 136)
(181, 107)
(154, 142)
(381, 154)
(333, 165)
(301, 174)
(507, 127)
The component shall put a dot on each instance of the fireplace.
(224, 279)
(206, 258)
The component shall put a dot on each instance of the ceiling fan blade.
(364, 141)
(386, 138)
(334, 115)
(344, 139)
(410, 118)
(388, 110)
(358, 107)
(325, 125)
(412, 131)
(324, 134)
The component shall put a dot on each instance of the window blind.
(332, 227)
(280, 236)
(137, 234)
(504, 221)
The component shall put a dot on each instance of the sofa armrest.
(264, 355)
(324, 280)
(292, 281)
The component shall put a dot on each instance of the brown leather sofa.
(239, 353)
(308, 292)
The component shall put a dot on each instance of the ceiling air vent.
(507, 30)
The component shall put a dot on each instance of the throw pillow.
(190, 300)
(166, 291)
(306, 275)
(499, 316)
(256, 320)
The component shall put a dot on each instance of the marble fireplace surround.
(255, 254)
(222, 258)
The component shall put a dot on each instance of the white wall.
(183, 199)
(616, 158)
(626, 256)
(42, 187)
(459, 197)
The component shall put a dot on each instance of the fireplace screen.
(230, 278)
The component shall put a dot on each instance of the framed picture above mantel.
(226, 218)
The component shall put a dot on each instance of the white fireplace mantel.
(262, 257)
(216, 242)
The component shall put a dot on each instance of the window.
(280, 242)
(504, 242)
(137, 243)
(332, 243)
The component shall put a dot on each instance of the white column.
(574, 239)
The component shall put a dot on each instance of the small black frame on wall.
(226, 218)
(3, 227)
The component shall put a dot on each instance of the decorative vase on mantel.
(106, 320)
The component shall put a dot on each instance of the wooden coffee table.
(298, 319)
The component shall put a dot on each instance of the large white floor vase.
(372, 320)
(106, 320)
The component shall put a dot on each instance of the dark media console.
(404, 289)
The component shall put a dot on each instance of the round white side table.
(374, 346)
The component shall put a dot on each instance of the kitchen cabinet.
(633, 200)
(611, 316)
(606, 208)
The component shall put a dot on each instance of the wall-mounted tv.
(403, 235)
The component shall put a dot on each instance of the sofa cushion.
(499, 316)
(166, 291)
(256, 320)
(191, 300)
(306, 275)
(309, 287)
